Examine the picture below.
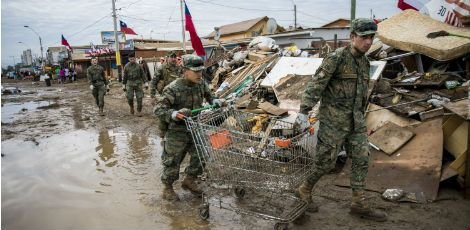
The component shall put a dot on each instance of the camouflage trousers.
(134, 88)
(162, 126)
(177, 145)
(330, 141)
(98, 93)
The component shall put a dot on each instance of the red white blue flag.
(66, 43)
(125, 29)
(195, 40)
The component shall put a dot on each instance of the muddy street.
(65, 167)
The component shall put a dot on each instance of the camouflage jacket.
(95, 75)
(180, 94)
(341, 83)
(166, 73)
(134, 72)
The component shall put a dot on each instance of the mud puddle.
(13, 111)
(88, 179)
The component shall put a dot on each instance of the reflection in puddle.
(10, 111)
(85, 179)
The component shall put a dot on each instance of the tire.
(281, 226)
(239, 192)
(203, 212)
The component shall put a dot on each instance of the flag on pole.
(125, 29)
(66, 43)
(411, 4)
(195, 40)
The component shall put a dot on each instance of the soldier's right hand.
(91, 87)
(124, 88)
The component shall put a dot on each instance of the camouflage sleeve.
(163, 109)
(124, 80)
(88, 76)
(317, 85)
(153, 86)
(158, 74)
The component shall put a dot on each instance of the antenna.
(271, 26)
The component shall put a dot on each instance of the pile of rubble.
(419, 107)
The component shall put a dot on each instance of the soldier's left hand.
(146, 85)
(124, 88)
(107, 88)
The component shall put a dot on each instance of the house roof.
(237, 27)
(340, 22)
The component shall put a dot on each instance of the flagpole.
(182, 26)
(116, 43)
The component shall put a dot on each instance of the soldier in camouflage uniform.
(179, 98)
(341, 84)
(164, 75)
(98, 83)
(134, 78)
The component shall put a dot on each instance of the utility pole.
(295, 17)
(353, 10)
(182, 26)
(116, 43)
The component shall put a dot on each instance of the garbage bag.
(263, 43)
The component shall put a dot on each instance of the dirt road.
(65, 167)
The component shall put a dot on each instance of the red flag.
(66, 43)
(195, 40)
(125, 29)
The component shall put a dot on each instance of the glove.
(146, 85)
(218, 102)
(91, 87)
(124, 88)
(107, 88)
(186, 112)
(301, 122)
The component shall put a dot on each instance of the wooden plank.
(378, 118)
(272, 109)
(426, 115)
(461, 108)
(455, 141)
(390, 137)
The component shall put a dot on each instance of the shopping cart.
(242, 151)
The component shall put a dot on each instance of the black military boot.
(101, 111)
(360, 208)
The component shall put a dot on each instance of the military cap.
(193, 62)
(363, 26)
(171, 54)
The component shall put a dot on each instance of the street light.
(40, 42)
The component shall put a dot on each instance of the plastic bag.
(263, 43)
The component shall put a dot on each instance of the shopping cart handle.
(196, 111)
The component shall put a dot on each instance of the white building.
(27, 57)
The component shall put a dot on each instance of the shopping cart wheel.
(281, 226)
(239, 192)
(203, 211)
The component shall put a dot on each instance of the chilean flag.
(66, 43)
(195, 40)
(126, 29)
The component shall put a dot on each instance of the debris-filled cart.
(244, 152)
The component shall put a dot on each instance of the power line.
(316, 17)
(241, 8)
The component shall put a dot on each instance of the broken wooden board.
(252, 56)
(272, 109)
(416, 167)
(401, 31)
(455, 130)
(378, 118)
(390, 137)
(289, 91)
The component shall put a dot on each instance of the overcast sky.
(82, 20)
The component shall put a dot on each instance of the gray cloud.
(78, 20)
